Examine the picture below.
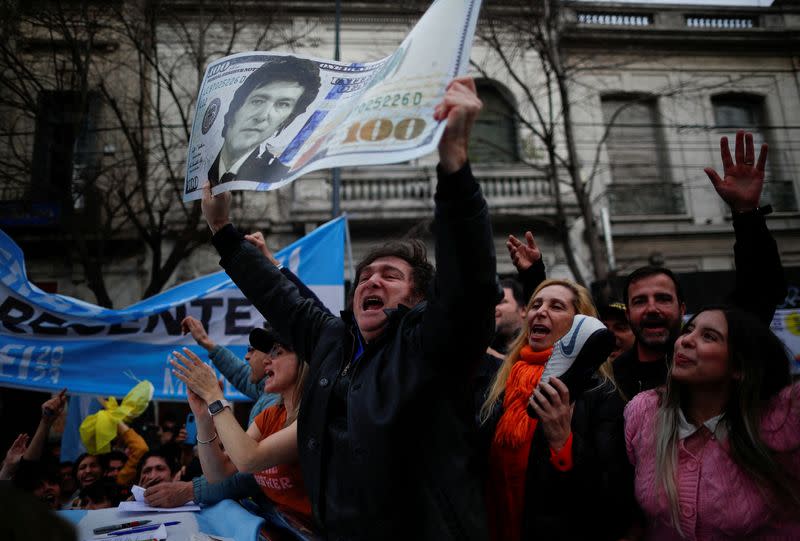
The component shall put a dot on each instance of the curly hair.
(413, 252)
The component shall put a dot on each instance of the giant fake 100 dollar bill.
(264, 119)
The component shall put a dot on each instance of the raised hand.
(17, 450)
(743, 180)
(14, 456)
(216, 208)
(523, 255)
(53, 407)
(257, 240)
(460, 107)
(193, 326)
(197, 375)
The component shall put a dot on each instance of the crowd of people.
(424, 412)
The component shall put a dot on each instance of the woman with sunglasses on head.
(562, 475)
(284, 375)
(246, 375)
(717, 451)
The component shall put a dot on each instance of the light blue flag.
(48, 342)
(78, 409)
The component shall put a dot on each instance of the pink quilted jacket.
(717, 499)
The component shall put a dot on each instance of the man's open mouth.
(659, 323)
(372, 303)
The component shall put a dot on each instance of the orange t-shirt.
(282, 484)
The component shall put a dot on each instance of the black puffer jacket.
(387, 445)
(594, 500)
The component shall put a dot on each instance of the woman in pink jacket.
(717, 452)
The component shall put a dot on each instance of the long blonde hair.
(297, 392)
(582, 303)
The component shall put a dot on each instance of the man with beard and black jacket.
(653, 295)
(384, 435)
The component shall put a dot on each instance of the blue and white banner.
(48, 342)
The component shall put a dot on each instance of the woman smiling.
(717, 452)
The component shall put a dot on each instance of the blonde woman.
(563, 476)
(284, 374)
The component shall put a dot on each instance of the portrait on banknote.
(264, 119)
(268, 100)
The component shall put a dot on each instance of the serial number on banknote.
(391, 100)
(216, 85)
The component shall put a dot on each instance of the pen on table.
(112, 527)
(145, 528)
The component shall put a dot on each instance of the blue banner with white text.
(48, 341)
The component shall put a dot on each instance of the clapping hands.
(197, 375)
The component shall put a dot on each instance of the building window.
(745, 111)
(64, 154)
(641, 183)
(494, 136)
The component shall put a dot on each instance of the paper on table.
(142, 507)
(139, 505)
(138, 493)
(159, 533)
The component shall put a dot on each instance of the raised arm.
(246, 454)
(51, 409)
(215, 463)
(527, 258)
(461, 306)
(257, 240)
(136, 448)
(298, 320)
(760, 282)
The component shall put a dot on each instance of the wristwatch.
(217, 406)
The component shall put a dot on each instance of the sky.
(761, 3)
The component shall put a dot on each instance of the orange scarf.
(508, 455)
(516, 427)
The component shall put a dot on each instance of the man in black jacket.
(384, 430)
(653, 295)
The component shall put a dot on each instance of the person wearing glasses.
(246, 376)
(283, 374)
